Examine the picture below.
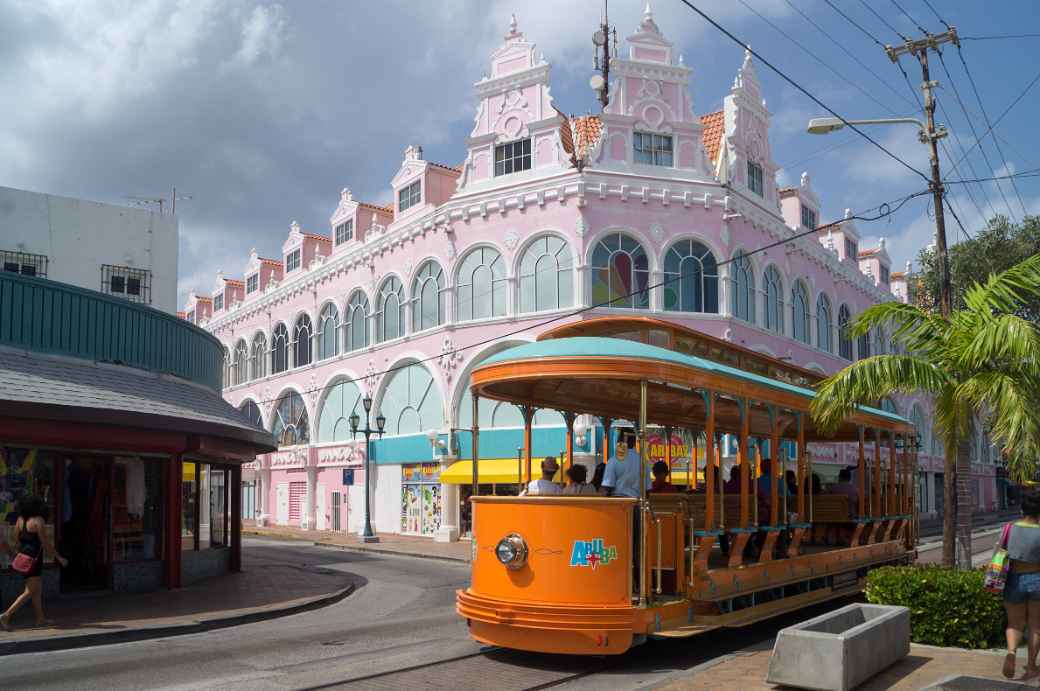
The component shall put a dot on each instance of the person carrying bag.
(1015, 570)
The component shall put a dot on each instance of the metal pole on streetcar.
(642, 508)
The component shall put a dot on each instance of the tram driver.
(621, 479)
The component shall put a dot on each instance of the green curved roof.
(591, 347)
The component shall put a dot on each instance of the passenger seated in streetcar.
(661, 484)
(597, 475)
(845, 488)
(732, 485)
(766, 480)
(545, 484)
(576, 475)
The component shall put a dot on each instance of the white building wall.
(385, 500)
(78, 236)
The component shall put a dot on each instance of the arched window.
(279, 349)
(412, 402)
(227, 367)
(390, 310)
(800, 328)
(357, 321)
(252, 414)
(480, 286)
(844, 338)
(743, 288)
(774, 291)
(241, 362)
(880, 341)
(889, 406)
(924, 433)
(864, 346)
(328, 332)
(341, 399)
(302, 341)
(546, 275)
(290, 426)
(691, 277)
(620, 273)
(428, 297)
(824, 338)
(258, 360)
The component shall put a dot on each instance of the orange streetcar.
(560, 574)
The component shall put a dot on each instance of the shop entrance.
(85, 524)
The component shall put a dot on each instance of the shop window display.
(420, 498)
(136, 509)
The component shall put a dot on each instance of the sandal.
(1031, 672)
(5, 623)
(1009, 666)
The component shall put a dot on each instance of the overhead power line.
(854, 23)
(883, 210)
(884, 21)
(802, 89)
(996, 122)
(1001, 37)
(907, 15)
(936, 13)
(982, 107)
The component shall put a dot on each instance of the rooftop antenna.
(160, 201)
(601, 53)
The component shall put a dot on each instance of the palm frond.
(1004, 341)
(911, 326)
(1007, 291)
(870, 380)
(1013, 406)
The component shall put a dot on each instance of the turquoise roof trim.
(589, 346)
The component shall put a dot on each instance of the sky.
(263, 111)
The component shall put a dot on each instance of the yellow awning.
(492, 471)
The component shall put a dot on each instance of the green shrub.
(948, 607)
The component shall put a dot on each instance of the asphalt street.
(398, 630)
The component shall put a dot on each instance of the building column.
(173, 518)
(307, 517)
(236, 518)
(449, 529)
(263, 487)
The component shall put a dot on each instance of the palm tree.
(983, 361)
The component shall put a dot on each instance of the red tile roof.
(898, 275)
(868, 252)
(234, 282)
(376, 207)
(714, 125)
(316, 236)
(787, 191)
(200, 298)
(452, 169)
(588, 129)
(272, 262)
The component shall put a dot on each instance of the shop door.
(86, 524)
(282, 509)
(336, 515)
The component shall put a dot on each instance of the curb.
(85, 640)
(937, 544)
(391, 552)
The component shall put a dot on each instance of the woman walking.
(32, 538)
(1022, 590)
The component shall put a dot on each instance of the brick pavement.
(925, 666)
(389, 543)
(266, 587)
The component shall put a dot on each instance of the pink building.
(490, 253)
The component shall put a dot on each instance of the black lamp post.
(368, 535)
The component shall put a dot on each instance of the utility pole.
(957, 499)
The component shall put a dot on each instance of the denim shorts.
(1021, 587)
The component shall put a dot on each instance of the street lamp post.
(367, 535)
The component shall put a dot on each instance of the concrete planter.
(840, 650)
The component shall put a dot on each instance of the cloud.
(263, 34)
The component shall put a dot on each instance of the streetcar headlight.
(512, 551)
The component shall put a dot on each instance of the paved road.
(397, 631)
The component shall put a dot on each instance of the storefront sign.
(346, 454)
(296, 458)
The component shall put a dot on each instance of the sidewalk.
(389, 543)
(266, 588)
(924, 668)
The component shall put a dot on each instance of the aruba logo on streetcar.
(592, 553)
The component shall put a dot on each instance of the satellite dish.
(599, 38)
(596, 82)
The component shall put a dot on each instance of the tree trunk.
(949, 504)
(964, 504)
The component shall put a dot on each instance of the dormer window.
(292, 261)
(408, 196)
(884, 275)
(345, 232)
(218, 302)
(809, 217)
(851, 249)
(252, 283)
(513, 157)
(754, 178)
(652, 149)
